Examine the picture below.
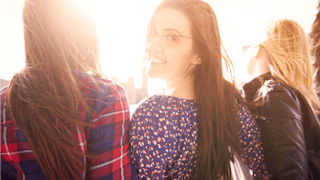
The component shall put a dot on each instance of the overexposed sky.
(122, 25)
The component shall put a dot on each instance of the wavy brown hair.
(218, 138)
(314, 35)
(314, 42)
(60, 39)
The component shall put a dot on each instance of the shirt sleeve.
(108, 132)
(250, 138)
(153, 141)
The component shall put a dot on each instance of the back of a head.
(290, 59)
(215, 96)
(43, 99)
(60, 33)
(288, 48)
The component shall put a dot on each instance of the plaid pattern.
(107, 136)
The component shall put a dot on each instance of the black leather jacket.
(289, 127)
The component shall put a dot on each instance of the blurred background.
(122, 25)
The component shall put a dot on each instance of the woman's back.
(102, 138)
(283, 99)
(45, 102)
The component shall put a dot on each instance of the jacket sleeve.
(283, 135)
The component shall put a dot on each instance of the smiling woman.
(170, 48)
(122, 25)
(191, 131)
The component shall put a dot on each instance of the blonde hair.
(290, 59)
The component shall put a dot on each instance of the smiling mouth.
(157, 61)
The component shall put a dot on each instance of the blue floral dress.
(163, 138)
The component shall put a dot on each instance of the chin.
(152, 74)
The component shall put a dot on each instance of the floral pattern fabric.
(163, 138)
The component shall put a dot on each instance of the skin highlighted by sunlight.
(121, 32)
(236, 34)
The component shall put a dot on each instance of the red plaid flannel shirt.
(107, 136)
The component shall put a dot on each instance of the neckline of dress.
(174, 97)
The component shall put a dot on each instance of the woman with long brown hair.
(200, 125)
(60, 119)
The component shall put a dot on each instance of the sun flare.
(122, 26)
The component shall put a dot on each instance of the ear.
(197, 60)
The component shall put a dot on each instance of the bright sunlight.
(122, 26)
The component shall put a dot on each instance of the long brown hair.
(60, 39)
(314, 35)
(314, 41)
(218, 139)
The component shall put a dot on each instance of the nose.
(154, 45)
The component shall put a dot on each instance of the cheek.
(251, 62)
(180, 63)
(153, 73)
(150, 74)
(180, 56)
(251, 65)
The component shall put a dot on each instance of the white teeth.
(158, 61)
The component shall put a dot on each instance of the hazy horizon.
(122, 26)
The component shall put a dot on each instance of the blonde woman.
(283, 98)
